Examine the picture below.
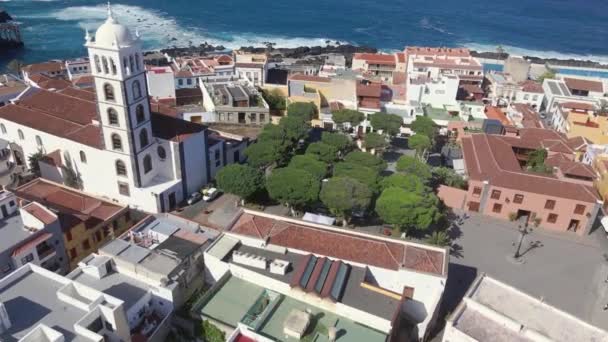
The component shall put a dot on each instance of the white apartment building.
(432, 62)
(94, 302)
(188, 71)
(502, 89)
(161, 82)
(251, 66)
(114, 145)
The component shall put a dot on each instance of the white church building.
(111, 141)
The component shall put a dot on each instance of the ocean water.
(544, 28)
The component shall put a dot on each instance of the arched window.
(125, 65)
(121, 169)
(3, 128)
(162, 154)
(137, 61)
(131, 64)
(136, 89)
(147, 163)
(38, 141)
(104, 62)
(140, 116)
(116, 142)
(21, 136)
(112, 117)
(97, 64)
(143, 138)
(113, 66)
(83, 157)
(108, 92)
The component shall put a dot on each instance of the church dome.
(112, 32)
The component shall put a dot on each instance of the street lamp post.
(523, 231)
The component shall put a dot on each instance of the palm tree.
(438, 238)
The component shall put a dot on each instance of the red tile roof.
(369, 90)
(578, 106)
(309, 78)
(250, 65)
(578, 143)
(71, 205)
(342, 245)
(31, 243)
(530, 118)
(44, 67)
(491, 158)
(581, 84)
(569, 167)
(376, 58)
(530, 86)
(57, 114)
(82, 94)
(496, 114)
(40, 212)
(173, 128)
(443, 51)
(54, 84)
(400, 57)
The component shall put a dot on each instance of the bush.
(211, 333)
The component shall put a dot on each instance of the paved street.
(567, 273)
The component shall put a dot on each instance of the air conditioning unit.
(279, 266)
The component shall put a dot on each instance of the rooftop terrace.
(233, 301)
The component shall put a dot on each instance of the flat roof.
(125, 288)
(31, 299)
(12, 231)
(503, 313)
(236, 296)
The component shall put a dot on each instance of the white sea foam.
(514, 50)
(159, 30)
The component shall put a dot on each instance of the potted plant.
(512, 217)
(537, 221)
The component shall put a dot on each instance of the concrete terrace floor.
(568, 271)
(232, 301)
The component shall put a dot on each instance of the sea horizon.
(55, 29)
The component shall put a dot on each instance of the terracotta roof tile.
(376, 58)
(365, 250)
(370, 90)
(581, 84)
(250, 65)
(530, 86)
(173, 128)
(496, 114)
(31, 243)
(41, 213)
(491, 158)
(37, 68)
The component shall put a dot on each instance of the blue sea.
(544, 28)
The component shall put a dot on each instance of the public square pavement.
(567, 271)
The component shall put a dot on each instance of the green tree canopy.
(374, 140)
(264, 153)
(420, 143)
(305, 110)
(310, 163)
(365, 159)
(536, 161)
(33, 161)
(449, 177)
(274, 98)
(410, 183)
(549, 74)
(424, 125)
(388, 123)
(294, 128)
(341, 142)
(325, 152)
(365, 175)
(344, 195)
(439, 238)
(293, 187)
(414, 166)
(241, 180)
(211, 333)
(342, 116)
(408, 210)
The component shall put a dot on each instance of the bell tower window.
(97, 63)
(136, 89)
(112, 117)
(116, 142)
(140, 116)
(143, 138)
(104, 62)
(147, 163)
(108, 92)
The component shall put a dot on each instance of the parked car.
(210, 194)
(194, 197)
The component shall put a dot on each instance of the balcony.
(45, 251)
